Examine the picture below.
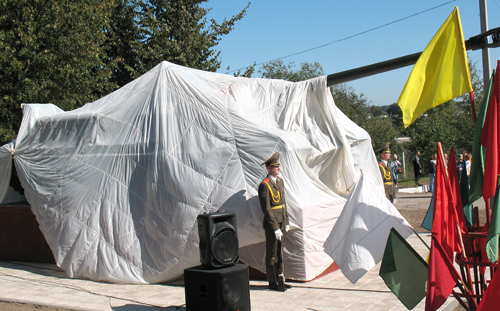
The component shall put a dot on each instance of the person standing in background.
(460, 165)
(396, 168)
(431, 170)
(417, 167)
(386, 173)
(467, 164)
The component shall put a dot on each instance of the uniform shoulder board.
(266, 180)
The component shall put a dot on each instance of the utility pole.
(483, 12)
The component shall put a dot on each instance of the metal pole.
(483, 11)
(404, 165)
(361, 72)
(474, 43)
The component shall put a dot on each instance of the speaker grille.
(224, 247)
(218, 239)
(222, 289)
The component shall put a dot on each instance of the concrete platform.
(46, 284)
(419, 189)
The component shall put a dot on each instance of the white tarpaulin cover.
(117, 184)
(357, 242)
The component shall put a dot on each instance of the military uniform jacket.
(271, 197)
(385, 171)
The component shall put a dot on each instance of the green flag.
(427, 223)
(494, 230)
(403, 270)
(477, 167)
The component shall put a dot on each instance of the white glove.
(278, 234)
(287, 228)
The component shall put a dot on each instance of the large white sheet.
(117, 184)
(358, 240)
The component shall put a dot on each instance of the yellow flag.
(440, 74)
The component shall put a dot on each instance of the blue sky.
(273, 29)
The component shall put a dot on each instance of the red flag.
(442, 277)
(490, 139)
(443, 223)
(491, 297)
(458, 210)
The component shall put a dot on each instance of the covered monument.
(117, 184)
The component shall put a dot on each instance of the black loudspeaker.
(224, 289)
(218, 239)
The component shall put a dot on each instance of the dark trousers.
(418, 174)
(274, 255)
(390, 192)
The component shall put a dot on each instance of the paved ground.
(47, 285)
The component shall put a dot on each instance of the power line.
(351, 36)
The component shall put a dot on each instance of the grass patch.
(410, 182)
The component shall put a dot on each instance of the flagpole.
(450, 264)
(473, 107)
(421, 239)
(487, 203)
(461, 239)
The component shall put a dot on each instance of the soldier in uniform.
(385, 170)
(272, 202)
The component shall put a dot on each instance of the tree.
(464, 120)
(381, 132)
(351, 104)
(75, 51)
(278, 70)
(394, 110)
(123, 36)
(249, 71)
(177, 31)
(354, 106)
(376, 111)
(50, 52)
(435, 127)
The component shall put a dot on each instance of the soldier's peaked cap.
(385, 148)
(273, 160)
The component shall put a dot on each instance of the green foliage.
(70, 52)
(382, 131)
(350, 103)
(394, 110)
(372, 119)
(178, 31)
(278, 70)
(141, 34)
(50, 52)
(450, 123)
(123, 38)
(430, 130)
(375, 111)
(249, 71)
